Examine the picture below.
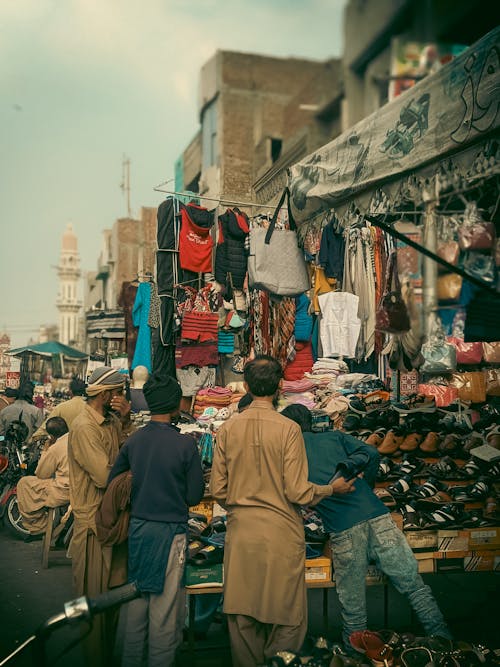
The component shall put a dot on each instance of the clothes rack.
(219, 200)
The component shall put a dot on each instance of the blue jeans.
(379, 540)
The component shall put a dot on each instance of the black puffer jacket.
(231, 255)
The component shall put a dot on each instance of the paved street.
(29, 595)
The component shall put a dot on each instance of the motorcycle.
(17, 459)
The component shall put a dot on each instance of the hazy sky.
(84, 81)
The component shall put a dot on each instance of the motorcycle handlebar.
(112, 598)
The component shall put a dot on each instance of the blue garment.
(167, 477)
(140, 316)
(340, 512)
(303, 321)
(149, 544)
(379, 540)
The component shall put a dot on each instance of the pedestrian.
(22, 409)
(68, 410)
(93, 444)
(7, 397)
(167, 478)
(259, 474)
(362, 530)
(49, 486)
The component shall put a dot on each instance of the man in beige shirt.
(94, 440)
(260, 475)
(68, 410)
(49, 487)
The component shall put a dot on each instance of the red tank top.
(195, 244)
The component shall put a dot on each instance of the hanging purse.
(450, 252)
(276, 263)
(442, 394)
(492, 376)
(467, 353)
(475, 234)
(481, 266)
(439, 356)
(449, 287)
(471, 386)
(491, 352)
(392, 314)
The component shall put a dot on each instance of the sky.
(83, 82)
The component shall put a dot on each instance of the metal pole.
(430, 267)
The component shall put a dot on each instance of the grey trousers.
(252, 642)
(153, 624)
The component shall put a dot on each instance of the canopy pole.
(430, 267)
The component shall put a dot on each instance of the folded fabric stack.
(299, 391)
(211, 397)
(302, 362)
(325, 370)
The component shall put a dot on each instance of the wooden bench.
(53, 531)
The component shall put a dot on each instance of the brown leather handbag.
(478, 236)
(471, 386)
(493, 381)
(392, 314)
(450, 252)
(491, 352)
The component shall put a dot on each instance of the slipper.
(209, 555)
(386, 497)
(194, 547)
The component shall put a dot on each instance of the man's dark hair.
(245, 401)
(26, 390)
(300, 415)
(263, 375)
(56, 427)
(77, 387)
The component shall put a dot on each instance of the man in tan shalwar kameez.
(94, 441)
(49, 486)
(68, 410)
(259, 474)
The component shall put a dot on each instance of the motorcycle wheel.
(12, 518)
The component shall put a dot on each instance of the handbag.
(392, 314)
(443, 394)
(492, 377)
(449, 287)
(474, 233)
(276, 263)
(481, 266)
(450, 252)
(467, 353)
(491, 352)
(471, 386)
(439, 356)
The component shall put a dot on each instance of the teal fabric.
(140, 315)
(226, 342)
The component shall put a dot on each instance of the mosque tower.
(69, 274)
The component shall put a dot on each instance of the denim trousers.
(154, 623)
(379, 540)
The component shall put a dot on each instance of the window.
(209, 136)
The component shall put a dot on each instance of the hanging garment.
(154, 307)
(140, 314)
(126, 302)
(303, 321)
(282, 325)
(340, 325)
(321, 285)
(195, 242)
(231, 255)
(332, 250)
(303, 362)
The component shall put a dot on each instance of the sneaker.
(416, 403)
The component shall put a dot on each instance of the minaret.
(67, 302)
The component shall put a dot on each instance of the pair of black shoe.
(371, 421)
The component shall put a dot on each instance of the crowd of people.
(266, 465)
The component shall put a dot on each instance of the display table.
(191, 591)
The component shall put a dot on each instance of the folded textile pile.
(216, 397)
(325, 370)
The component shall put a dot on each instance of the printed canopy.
(442, 116)
(49, 349)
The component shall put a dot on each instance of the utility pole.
(125, 184)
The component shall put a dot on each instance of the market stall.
(43, 361)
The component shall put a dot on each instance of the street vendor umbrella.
(34, 357)
(48, 350)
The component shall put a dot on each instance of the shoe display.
(411, 442)
(351, 423)
(446, 516)
(450, 443)
(446, 468)
(385, 467)
(470, 470)
(416, 403)
(477, 491)
(376, 437)
(430, 443)
(393, 439)
(429, 488)
(412, 519)
(408, 466)
(401, 487)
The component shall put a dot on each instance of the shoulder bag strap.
(285, 195)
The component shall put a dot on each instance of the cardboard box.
(453, 540)
(204, 576)
(449, 564)
(425, 561)
(318, 569)
(482, 561)
(205, 508)
(422, 540)
(484, 538)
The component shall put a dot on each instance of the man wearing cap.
(22, 409)
(167, 478)
(94, 441)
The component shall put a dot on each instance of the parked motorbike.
(17, 459)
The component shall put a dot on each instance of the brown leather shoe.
(411, 442)
(430, 444)
(376, 438)
(391, 442)
(451, 442)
